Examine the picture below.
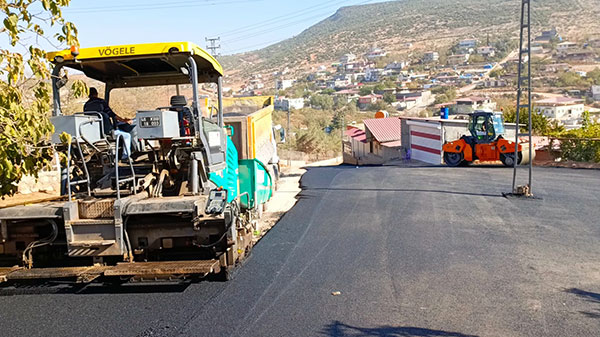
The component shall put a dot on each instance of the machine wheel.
(454, 159)
(508, 159)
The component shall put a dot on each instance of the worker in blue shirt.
(112, 121)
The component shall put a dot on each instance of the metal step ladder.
(85, 181)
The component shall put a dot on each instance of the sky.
(242, 25)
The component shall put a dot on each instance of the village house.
(286, 104)
(346, 96)
(493, 83)
(347, 58)
(560, 108)
(595, 91)
(375, 53)
(467, 105)
(467, 43)
(365, 101)
(396, 67)
(563, 47)
(578, 55)
(486, 51)
(556, 67)
(282, 84)
(458, 59)
(379, 143)
(431, 56)
(547, 36)
(373, 74)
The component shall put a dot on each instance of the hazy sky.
(242, 24)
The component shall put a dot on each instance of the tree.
(24, 87)
(365, 90)
(323, 102)
(389, 97)
(540, 124)
(594, 76)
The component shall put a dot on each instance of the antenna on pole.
(524, 99)
(212, 46)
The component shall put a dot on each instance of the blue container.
(444, 112)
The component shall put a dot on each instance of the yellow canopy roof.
(139, 65)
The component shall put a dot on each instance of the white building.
(347, 58)
(283, 84)
(375, 53)
(285, 104)
(560, 108)
(458, 59)
(565, 47)
(469, 104)
(487, 51)
(596, 92)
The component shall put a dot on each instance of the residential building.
(594, 43)
(563, 47)
(375, 53)
(397, 67)
(596, 92)
(578, 55)
(379, 143)
(487, 51)
(282, 84)
(536, 50)
(458, 59)
(467, 43)
(285, 104)
(365, 101)
(431, 56)
(549, 34)
(556, 67)
(493, 83)
(373, 74)
(560, 108)
(347, 58)
(256, 84)
(347, 95)
(467, 105)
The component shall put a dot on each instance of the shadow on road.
(56, 288)
(400, 190)
(589, 297)
(337, 329)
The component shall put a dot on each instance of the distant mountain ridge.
(389, 24)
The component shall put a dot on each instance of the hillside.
(427, 24)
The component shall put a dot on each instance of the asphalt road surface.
(412, 251)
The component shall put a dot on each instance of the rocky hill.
(427, 24)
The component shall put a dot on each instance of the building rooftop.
(473, 99)
(384, 129)
(559, 101)
(357, 134)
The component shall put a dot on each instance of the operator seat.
(179, 103)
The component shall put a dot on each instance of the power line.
(129, 8)
(287, 24)
(284, 17)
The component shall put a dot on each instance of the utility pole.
(524, 96)
(212, 46)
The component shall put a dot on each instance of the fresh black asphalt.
(430, 251)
